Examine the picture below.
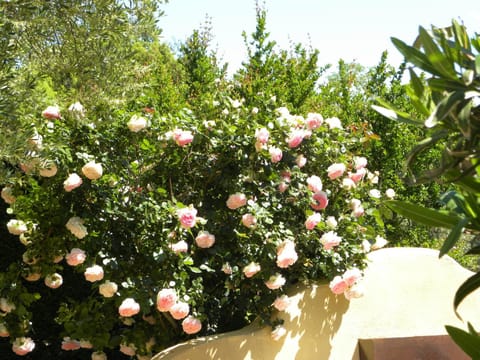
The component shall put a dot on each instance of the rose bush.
(170, 226)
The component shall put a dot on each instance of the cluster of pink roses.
(348, 284)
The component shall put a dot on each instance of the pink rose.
(358, 175)
(249, 220)
(351, 276)
(129, 307)
(108, 289)
(205, 240)
(48, 171)
(275, 282)
(3, 330)
(354, 292)
(7, 195)
(281, 302)
(348, 183)
(53, 281)
(182, 137)
(179, 310)
(191, 325)
(360, 162)
(358, 211)
(16, 227)
(301, 161)
(251, 269)
(129, 350)
(313, 221)
(92, 170)
(314, 121)
(33, 276)
(336, 170)
(262, 135)
(6, 306)
(73, 181)
(236, 200)
(283, 186)
(69, 344)
(94, 273)
(321, 200)
(295, 138)
(166, 298)
(286, 254)
(23, 345)
(275, 154)
(51, 112)
(314, 183)
(187, 217)
(75, 257)
(330, 239)
(76, 227)
(338, 285)
(179, 247)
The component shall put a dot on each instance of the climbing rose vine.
(151, 228)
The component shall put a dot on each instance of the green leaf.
(436, 57)
(195, 270)
(396, 115)
(453, 236)
(420, 214)
(469, 343)
(470, 285)
(415, 56)
(477, 64)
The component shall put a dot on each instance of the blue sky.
(353, 30)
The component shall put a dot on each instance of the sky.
(352, 30)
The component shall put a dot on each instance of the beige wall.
(409, 292)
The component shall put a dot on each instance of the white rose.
(137, 123)
(49, 171)
(92, 170)
(16, 227)
(76, 227)
(108, 289)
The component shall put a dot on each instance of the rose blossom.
(338, 285)
(77, 107)
(227, 269)
(129, 307)
(358, 175)
(187, 217)
(380, 242)
(375, 193)
(314, 121)
(390, 193)
(283, 186)
(48, 171)
(179, 247)
(262, 135)
(336, 170)
(358, 211)
(251, 269)
(275, 154)
(129, 350)
(182, 137)
(76, 227)
(205, 240)
(191, 325)
(108, 289)
(281, 302)
(314, 183)
(53, 281)
(278, 333)
(348, 183)
(7, 195)
(313, 221)
(275, 282)
(51, 112)
(92, 170)
(70, 344)
(137, 123)
(75, 257)
(85, 344)
(300, 160)
(99, 355)
(249, 220)
(351, 276)
(331, 222)
(330, 239)
(166, 298)
(366, 246)
(16, 227)
(73, 181)
(23, 345)
(33, 276)
(360, 162)
(321, 200)
(334, 123)
(6, 306)
(237, 200)
(354, 292)
(295, 138)
(94, 273)
(3, 330)
(179, 310)
(286, 254)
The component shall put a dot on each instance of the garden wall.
(409, 292)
